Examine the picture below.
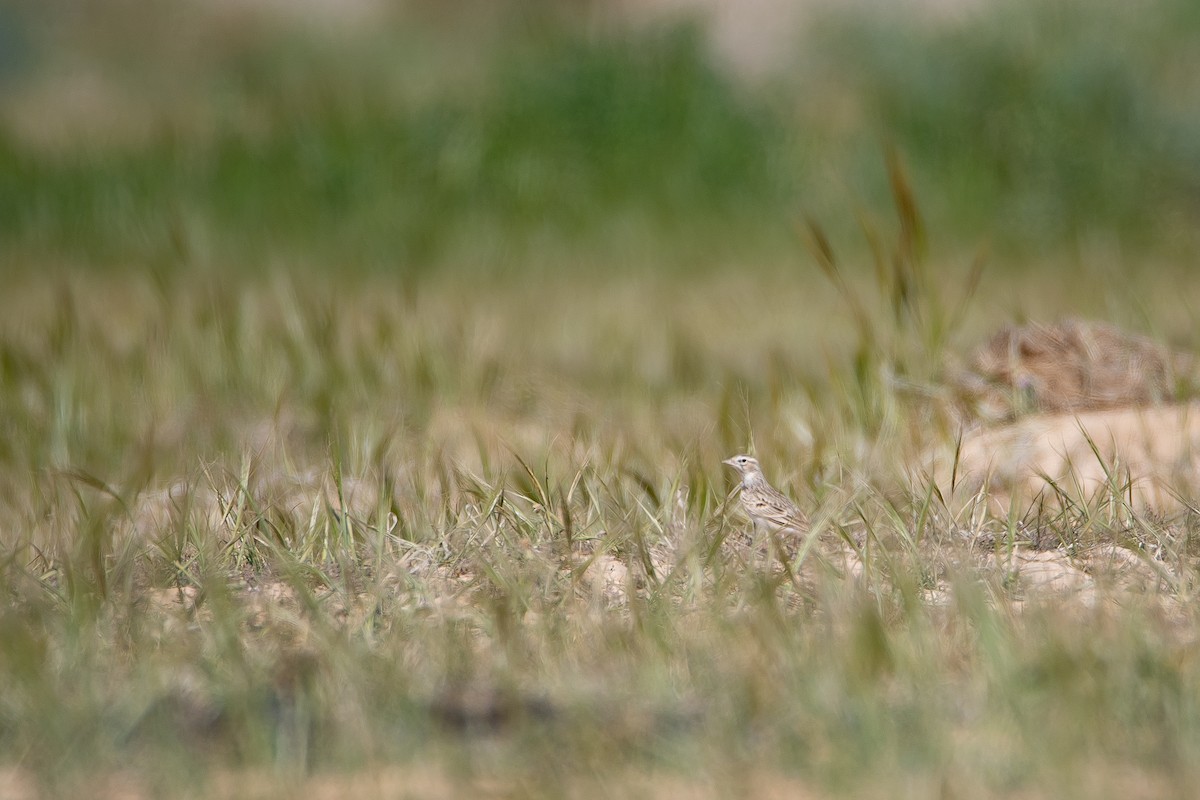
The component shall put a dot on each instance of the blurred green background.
(513, 135)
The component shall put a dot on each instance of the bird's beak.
(729, 461)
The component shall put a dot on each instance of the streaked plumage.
(762, 501)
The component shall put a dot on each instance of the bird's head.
(743, 464)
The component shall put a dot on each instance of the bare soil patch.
(1147, 458)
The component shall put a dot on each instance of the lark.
(765, 504)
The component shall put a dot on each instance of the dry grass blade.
(912, 227)
(822, 251)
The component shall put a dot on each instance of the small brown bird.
(762, 501)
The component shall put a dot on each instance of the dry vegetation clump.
(1072, 365)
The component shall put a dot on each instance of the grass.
(314, 531)
(443, 513)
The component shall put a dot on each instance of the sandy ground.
(1150, 456)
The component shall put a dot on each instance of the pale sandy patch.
(1148, 457)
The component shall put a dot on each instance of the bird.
(763, 502)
